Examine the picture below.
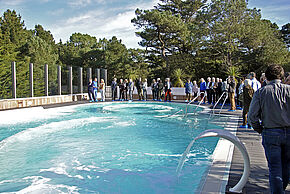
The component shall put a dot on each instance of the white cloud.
(56, 12)
(84, 3)
(11, 2)
(103, 24)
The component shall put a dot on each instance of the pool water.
(103, 148)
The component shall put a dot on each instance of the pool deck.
(258, 180)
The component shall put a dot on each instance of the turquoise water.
(102, 148)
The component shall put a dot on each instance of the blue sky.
(106, 18)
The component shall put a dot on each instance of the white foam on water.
(60, 169)
(170, 155)
(40, 131)
(40, 185)
(115, 107)
(27, 115)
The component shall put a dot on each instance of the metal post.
(104, 75)
(46, 79)
(70, 78)
(81, 80)
(13, 68)
(59, 79)
(98, 75)
(31, 79)
(89, 74)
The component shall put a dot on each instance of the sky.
(107, 18)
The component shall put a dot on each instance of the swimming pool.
(102, 148)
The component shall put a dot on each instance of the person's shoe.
(96, 100)
(186, 101)
(239, 108)
(231, 110)
(91, 101)
(249, 127)
(243, 126)
(160, 100)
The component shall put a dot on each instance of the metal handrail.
(217, 102)
(185, 113)
(224, 102)
(230, 137)
(200, 103)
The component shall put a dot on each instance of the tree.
(286, 34)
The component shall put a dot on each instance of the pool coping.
(218, 174)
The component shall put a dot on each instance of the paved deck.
(258, 181)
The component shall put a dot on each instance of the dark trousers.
(140, 93)
(276, 143)
(159, 94)
(213, 94)
(91, 94)
(122, 94)
(209, 95)
(154, 93)
(114, 93)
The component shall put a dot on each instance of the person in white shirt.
(255, 83)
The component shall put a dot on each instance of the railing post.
(98, 75)
(59, 79)
(31, 79)
(81, 80)
(70, 78)
(13, 68)
(104, 75)
(89, 74)
(46, 79)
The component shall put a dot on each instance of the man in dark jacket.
(91, 91)
(114, 89)
(232, 89)
(167, 88)
(139, 87)
(248, 93)
(160, 90)
(271, 105)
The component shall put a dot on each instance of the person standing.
(195, 89)
(154, 89)
(91, 91)
(255, 83)
(144, 89)
(188, 90)
(167, 86)
(219, 87)
(213, 90)
(95, 86)
(139, 88)
(102, 88)
(126, 89)
(160, 90)
(247, 94)
(122, 90)
(208, 90)
(271, 106)
(114, 89)
(131, 89)
(202, 88)
(232, 89)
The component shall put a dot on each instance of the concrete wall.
(38, 101)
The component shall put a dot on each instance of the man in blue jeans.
(271, 106)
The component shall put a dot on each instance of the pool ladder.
(226, 97)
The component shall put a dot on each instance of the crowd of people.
(159, 89)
